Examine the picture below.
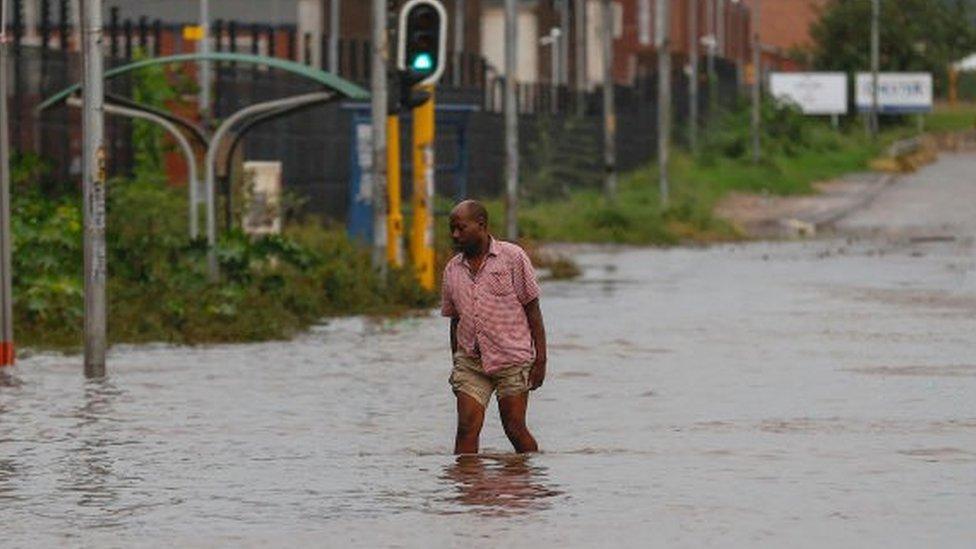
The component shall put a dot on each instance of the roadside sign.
(898, 92)
(193, 33)
(815, 93)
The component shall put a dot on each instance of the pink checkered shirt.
(492, 323)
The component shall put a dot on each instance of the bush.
(158, 290)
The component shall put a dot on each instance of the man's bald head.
(473, 210)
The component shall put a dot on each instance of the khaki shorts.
(469, 377)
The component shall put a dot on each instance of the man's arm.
(454, 325)
(538, 331)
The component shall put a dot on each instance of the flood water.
(797, 394)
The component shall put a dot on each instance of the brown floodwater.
(797, 394)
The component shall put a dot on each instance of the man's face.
(466, 232)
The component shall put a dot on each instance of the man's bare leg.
(512, 409)
(471, 416)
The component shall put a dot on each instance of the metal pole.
(93, 183)
(394, 223)
(719, 25)
(564, 43)
(663, 35)
(714, 20)
(380, 55)
(334, 19)
(210, 162)
(181, 140)
(205, 67)
(693, 79)
(609, 111)
(756, 81)
(580, 32)
(554, 71)
(511, 123)
(7, 355)
(875, 63)
(459, 11)
(424, 173)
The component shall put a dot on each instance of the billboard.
(813, 92)
(898, 92)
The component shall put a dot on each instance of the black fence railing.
(560, 127)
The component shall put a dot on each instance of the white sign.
(898, 92)
(813, 92)
(262, 197)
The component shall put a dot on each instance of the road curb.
(864, 199)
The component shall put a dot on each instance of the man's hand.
(537, 374)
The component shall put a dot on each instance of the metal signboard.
(898, 92)
(815, 93)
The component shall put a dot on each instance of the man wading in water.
(498, 339)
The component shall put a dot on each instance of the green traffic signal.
(422, 34)
(423, 62)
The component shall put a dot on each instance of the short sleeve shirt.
(489, 305)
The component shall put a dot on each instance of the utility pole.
(875, 63)
(693, 77)
(93, 183)
(380, 54)
(609, 111)
(334, 20)
(663, 39)
(756, 81)
(511, 122)
(7, 355)
(579, 14)
(205, 76)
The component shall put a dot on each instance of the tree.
(916, 35)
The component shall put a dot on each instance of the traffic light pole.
(394, 219)
(422, 226)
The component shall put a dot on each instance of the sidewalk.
(803, 216)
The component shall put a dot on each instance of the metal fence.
(560, 128)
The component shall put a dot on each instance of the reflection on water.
(499, 485)
(89, 471)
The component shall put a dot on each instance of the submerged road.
(802, 394)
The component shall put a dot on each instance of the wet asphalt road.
(803, 394)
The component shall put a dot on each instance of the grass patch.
(947, 118)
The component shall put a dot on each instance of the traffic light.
(421, 50)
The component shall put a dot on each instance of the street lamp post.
(6, 290)
(93, 182)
